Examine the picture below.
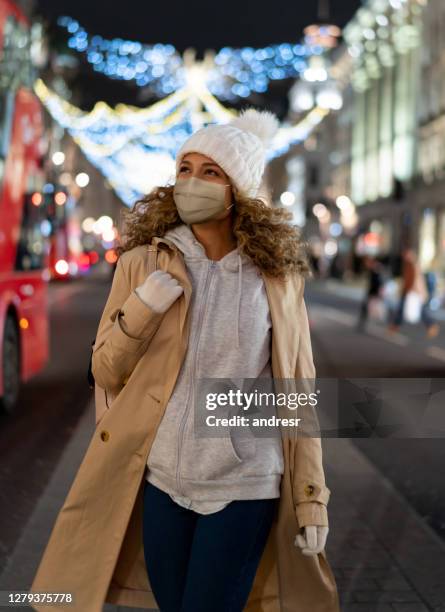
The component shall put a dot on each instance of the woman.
(160, 516)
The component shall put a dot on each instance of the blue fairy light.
(236, 73)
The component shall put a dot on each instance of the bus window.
(31, 244)
(6, 115)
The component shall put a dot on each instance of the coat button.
(104, 435)
(309, 490)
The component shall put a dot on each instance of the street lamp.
(287, 198)
(58, 158)
(82, 179)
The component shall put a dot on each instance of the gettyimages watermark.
(322, 407)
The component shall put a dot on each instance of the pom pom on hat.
(261, 123)
(238, 147)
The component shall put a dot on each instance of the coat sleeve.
(310, 491)
(125, 329)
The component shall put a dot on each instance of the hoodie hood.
(183, 237)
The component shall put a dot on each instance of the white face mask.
(198, 200)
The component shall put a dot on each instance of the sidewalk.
(384, 557)
(354, 290)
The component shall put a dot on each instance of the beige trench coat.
(95, 550)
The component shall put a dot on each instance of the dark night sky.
(198, 23)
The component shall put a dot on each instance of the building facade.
(385, 39)
(385, 148)
(429, 194)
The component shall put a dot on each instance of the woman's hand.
(159, 291)
(313, 539)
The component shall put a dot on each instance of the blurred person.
(374, 270)
(413, 280)
(157, 516)
(337, 269)
(431, 287)
(314, 262)
(432, 276)
(431, 282)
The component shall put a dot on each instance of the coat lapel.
(181, 276)
(282, 297)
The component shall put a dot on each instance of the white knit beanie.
(238, 147)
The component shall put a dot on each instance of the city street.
(373, 547)
(232, 148)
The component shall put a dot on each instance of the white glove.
(313, 539)
(159, 291)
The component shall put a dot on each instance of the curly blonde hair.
(263, 232)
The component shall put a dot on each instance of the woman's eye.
(207, 171)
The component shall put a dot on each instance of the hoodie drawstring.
(185, 241)
(238, 306)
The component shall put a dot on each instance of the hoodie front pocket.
(209, 458)
(242, 447)
(231, 448)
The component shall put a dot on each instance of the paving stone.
(361, 583)
(345, 598)
(367, 607)
(410, 607)
(387, 596)
(372, 572)
(398, 583)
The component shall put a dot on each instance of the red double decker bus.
(23, 250)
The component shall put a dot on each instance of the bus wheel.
(11, 366)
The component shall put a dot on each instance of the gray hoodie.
(230, 337)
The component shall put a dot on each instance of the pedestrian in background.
(413, 286)
(373, 299)
(157, 516)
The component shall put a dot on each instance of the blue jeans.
(202, 562)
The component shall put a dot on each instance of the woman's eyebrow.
(206, 164)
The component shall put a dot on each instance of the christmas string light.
(231, 74)
(135, 148)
